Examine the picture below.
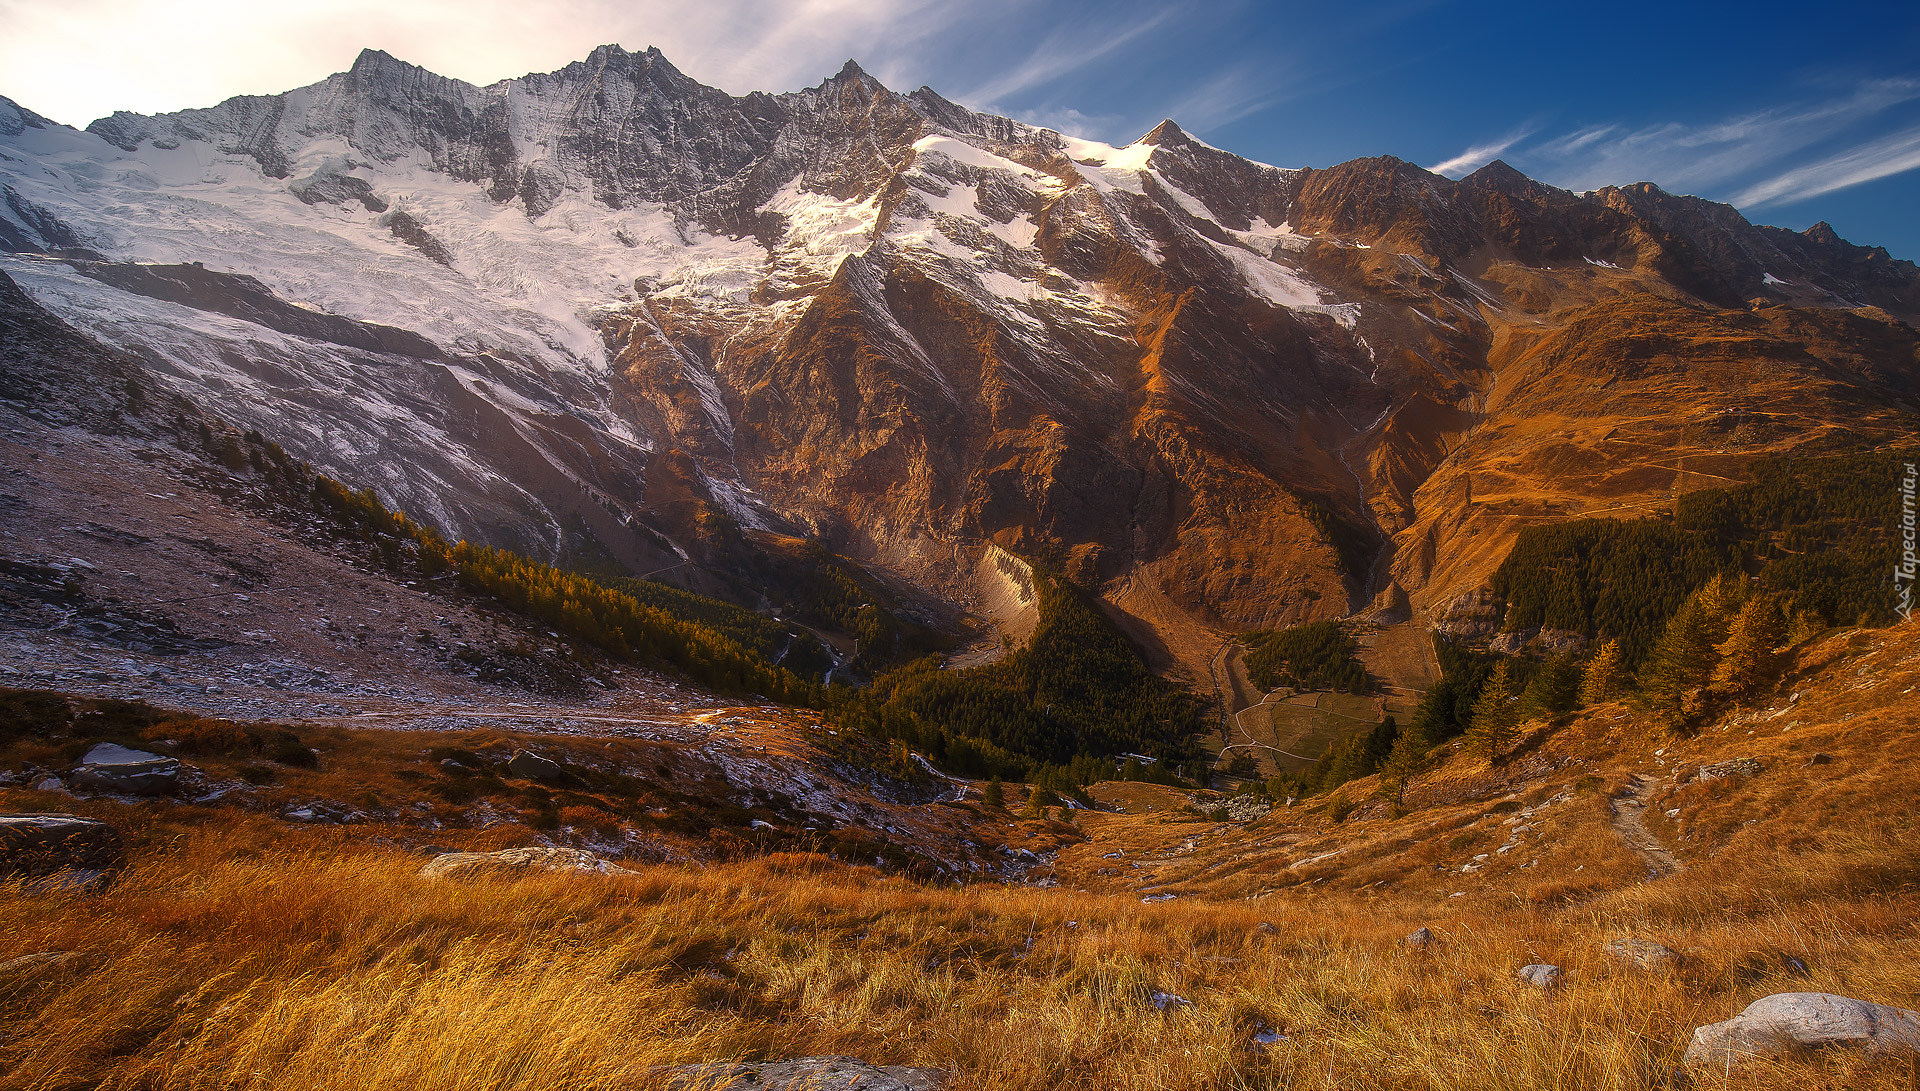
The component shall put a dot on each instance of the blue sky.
(1794, 113)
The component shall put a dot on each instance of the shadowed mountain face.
(610, 304)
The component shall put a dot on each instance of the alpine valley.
(752, 492)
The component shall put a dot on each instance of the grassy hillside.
(241, 952)
(712, 643)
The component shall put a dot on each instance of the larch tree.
(1555, 688)
(1747, 658)
(1494, 714)
(1605, 676)
(1409, 753)
(1690, 648)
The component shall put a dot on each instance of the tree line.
(1061, 712)
(1317, 655)
(1683, 618)
(1061, 709)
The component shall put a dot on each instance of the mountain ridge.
(910, 329)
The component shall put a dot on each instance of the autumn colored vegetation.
(1057, 709)
(1683, 616)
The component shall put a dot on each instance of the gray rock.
(1422, 939)
(320, 814)
(529, 766)
(1511, 643)
(59, 852)
(1542, 976)
(1736, 767)
(1558, 641)
(116, 769)
(76, 881)
(806, 1074)
(1779, 1024)
(1246, 808)
(508, 862)
(1643, 953)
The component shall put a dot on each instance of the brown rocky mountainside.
(1228, 394)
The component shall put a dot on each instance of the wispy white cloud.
(1713, 157)
(1239, 91)
(1479, 155)
(1064, 50)
(1880, 158)
(1074, 123)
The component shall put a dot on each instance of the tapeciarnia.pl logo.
(1909, 566)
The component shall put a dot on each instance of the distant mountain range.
(609, 315)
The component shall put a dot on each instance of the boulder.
(1643, 953)
(59, 852)
(806, 1074)
(1779, 1024)
(1542, 976)
(1422, 940)
(509, 862)
(533, 767)
(116, 769)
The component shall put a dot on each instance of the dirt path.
(1629, 821)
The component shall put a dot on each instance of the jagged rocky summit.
(610, 311)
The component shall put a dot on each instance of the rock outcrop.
(1642, 954)
(59, 852)
(806, 1074)
(510, 862)
(1784, 1022)
(122, 771)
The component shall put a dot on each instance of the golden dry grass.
(239, 952)
(242, 954)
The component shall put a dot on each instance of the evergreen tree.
(1605, 676)
(1409, 753)
(1494, 715)
(1747, 658)
(1690, 648)
(1807, 624)
(995, 795)
(1319, 654)
(1035, 808)
(1555, 688)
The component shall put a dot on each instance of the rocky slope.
(609, 311)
